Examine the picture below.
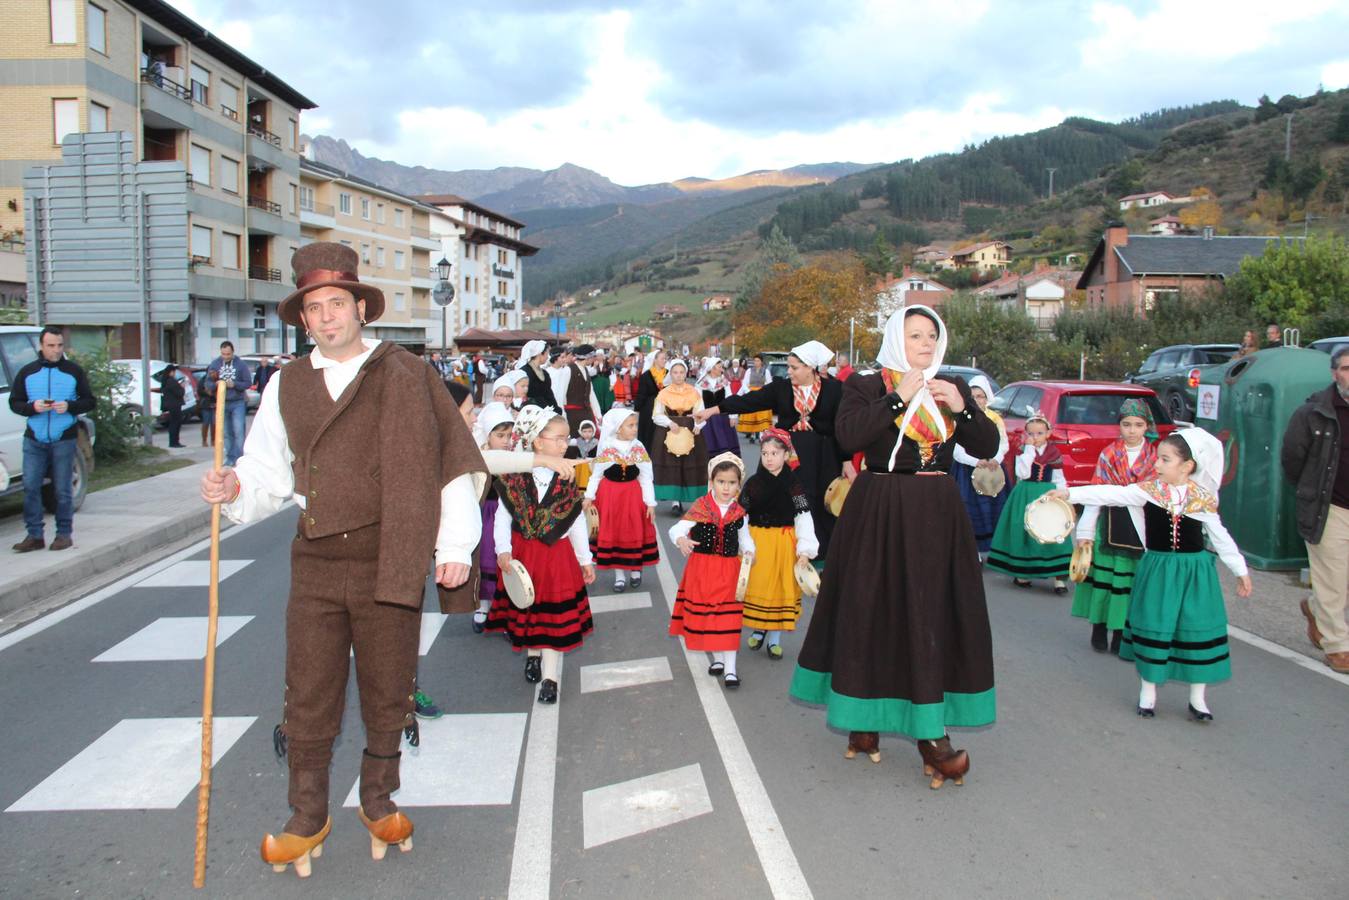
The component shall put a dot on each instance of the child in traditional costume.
(713, 534)
(718, 431)
(1039, 470)
(755, 378)
(983, 510)
(582, 449)
(679, 478)
(1103, 596)
(784, 535)
(622, 490)
(496, 423)
(1177, 624)
(539, 523)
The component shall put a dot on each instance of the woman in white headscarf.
(899, 640)
(649, 384)
(679, 478)
(718, 432)
(533, 358)
(983, 510)
(805, 405)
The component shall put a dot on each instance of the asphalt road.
(649, 780)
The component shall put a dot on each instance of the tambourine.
(807, 579)
(679, 443)
(835, 494)
(1080, 564)
(519, 586)
(593, 521)
(1050, 520)
(988, 482)
(742, 582)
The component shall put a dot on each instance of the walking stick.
(208, 689)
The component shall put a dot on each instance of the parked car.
(968, 372)
(1329, 345)
(18, 347)
(1174, 373)
(1084, 413)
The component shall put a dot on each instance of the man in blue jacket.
(235, 373)
(51, 391)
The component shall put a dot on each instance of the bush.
(118, 431)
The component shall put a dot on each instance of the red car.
(1084, 414)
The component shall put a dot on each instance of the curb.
(136, 546)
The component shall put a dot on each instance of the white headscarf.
(710, 363)
(529, 351)
(1207, 451)
(892, 356)
(813, 354)
(651, 358)
(529, 424)
(509, 380)
(669, 370)
(492, 415)
(982, 382)
(609, 425)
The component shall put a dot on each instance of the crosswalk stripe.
(614, 675)
(607, 603)
(192, 573)
(177, 637)
(643, 804)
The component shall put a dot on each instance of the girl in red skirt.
(621, 488)
(538, 522)
(713, 534)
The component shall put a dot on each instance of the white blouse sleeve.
(460, 521)
(646, 477)
(697, 408)
(1086, 526)
(658, 415)
(1003, 446)
(807, 544)
(501, 529)
(508, 462)
(680, 529)
(962, 457)
(265, 476)
(579, 535)
(1108, 495)
(1060, 481)
(1222, 542)
(745, 539)
(1023, 462)
(596, 472)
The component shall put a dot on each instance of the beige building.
(142, 67)
(392, 233)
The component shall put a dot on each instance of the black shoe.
(620, 587)
(635, 579)
(677, 508)
(1146, 712)
(533, 669)
(1021, 582)
(732, 681)
(548, 691)
(1098, 641)
(1060, 589)
(716, 669)
(1115, 640)
(177, 446)
(479, 624)
(1200, 716)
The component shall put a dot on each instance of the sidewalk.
(115, 527)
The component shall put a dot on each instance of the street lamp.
(443, 269)
(444, 295)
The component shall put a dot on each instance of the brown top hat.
(326, 264)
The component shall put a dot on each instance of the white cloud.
(1335, 75)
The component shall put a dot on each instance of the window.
(398, 257)
(306, 198)
(96, 28)
(501, 288)
(379, 257)
(1102, 409)
(344, 203)
(291, 132)
(20, 350)
(199, 164)
(379, 213)
(468, 284)
(229, 250)
(365, 209)
(346, 243)
(259, 317)
(400, 302)
(65, 119)
(229, 100)
(398, 217)
(365, 253)
(98, 116)
(1027, 399)
(63, 22)
(201, 243)
(201, 82)
(229, 175)
(475, 285)
(501, 257)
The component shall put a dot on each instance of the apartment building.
(143, 68)
(486, 252)
(393, 235)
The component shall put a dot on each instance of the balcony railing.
(422, 233)
(229, 113)
(322, 209)
(166, 84)
(264, 204)
(422, 272)
(263, 273)
(259, 132)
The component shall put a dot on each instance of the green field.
(631, 304)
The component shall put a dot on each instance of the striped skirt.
(1177, 625)
(773, 600)
(706, 614)
(560, 617)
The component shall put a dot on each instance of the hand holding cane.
(208, 689)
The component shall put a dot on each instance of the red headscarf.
(777, 434)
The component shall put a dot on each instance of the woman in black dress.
(899, 639)
(648, 386)
(539, 392)
(805, 405)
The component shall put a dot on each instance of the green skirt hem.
(679, 493)
(921, 721)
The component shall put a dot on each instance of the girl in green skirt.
(1103, 597)
(1039, 469)
(1177, 623)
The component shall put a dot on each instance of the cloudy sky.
(654, 91)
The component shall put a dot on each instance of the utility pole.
(1051, 172)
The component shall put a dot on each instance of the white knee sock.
(1147, 695)
(729, 658)
(484, 605)
(774, 638)
(619, 579)
(636, 573)
(552, 664)
(1197, 697)
(533, 652)
(718, 657)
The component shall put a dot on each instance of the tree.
(814, 301)
(1341, 133)
(1205, 213)
(1297, 284)
(1265, 109)
(880, 260)
(776, 252)
(1126, 179)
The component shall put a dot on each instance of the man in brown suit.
(571, 386)
(363, 436)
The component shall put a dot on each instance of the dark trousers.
(175, 425)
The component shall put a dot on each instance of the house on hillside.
(905, 289)
(1165, 225)
(1134, 271)
(984, 256)
(716, 302)
(668, 311)
(1146, 199)
(936, 255)
(1042, 293)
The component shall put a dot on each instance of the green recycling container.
(1247, 404)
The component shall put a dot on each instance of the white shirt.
(961, 456)
(746, 540)
(1027, 458)
(1086, 526)
(560, 380)
(267, 480)
(645, 478)
(578, 533)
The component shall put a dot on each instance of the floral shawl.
(545, 520)
(1113, 466)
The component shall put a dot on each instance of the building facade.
(142, 68)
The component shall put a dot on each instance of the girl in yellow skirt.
(755, 378)
(784, 534)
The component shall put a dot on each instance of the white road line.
(629, 673)
(776, 857)
(643, 804)
(532, 857)
(60, 615)
(1279, 650)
